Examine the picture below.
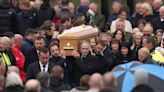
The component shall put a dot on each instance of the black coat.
(7, 19)
(43, 14)
(105, 61)
(57, 84)
(66, 65)
(34, 69)
(57, 61)
(25, 19)
(125, 59)
(157, 24)
(116, 59)
(84, 66)
(30, 57)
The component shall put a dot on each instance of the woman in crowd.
(126, 53)
(115, 46)
(159, 34)
(119, 35)
(137, 44)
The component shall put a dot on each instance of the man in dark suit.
(85, 61)
(158, 23)
(59, 58)
(41, 65)
(104, 56)
(32, 55)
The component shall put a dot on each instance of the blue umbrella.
(125, 78)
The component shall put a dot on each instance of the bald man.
(109, 81)
(32, 86)
(144, 56)
(95, 82)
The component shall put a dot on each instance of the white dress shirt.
(41, 67)
(162, 19)
(128, 26)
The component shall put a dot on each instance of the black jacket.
(44, 13)
(105, 61)
(34, 69)
(7, 19)
(57, 61)
(66, 65)
(157, 24)
(30, 57)
(57, 84)
(116, 58)
(86, 65)
(25, 19)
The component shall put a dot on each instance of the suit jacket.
(86, 65)
(157, 24)
(34, 69)
(105, 61)
(57, 61)
(30, 57)
(66, 66)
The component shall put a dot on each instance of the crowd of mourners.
(31, 61)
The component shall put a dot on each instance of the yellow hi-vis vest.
(5, 58)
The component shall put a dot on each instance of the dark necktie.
(44, 68)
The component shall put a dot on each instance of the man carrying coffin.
(85, 61)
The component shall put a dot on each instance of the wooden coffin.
(70, 39)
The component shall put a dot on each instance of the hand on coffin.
(63, 54)
(75, 54)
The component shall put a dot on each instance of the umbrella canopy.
(125, 78)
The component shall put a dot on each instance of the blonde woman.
(137, 44)
(146, 11)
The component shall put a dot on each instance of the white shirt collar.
(41, 66)
(162, 19)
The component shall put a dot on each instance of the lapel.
(39, 69)
(49, 67)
